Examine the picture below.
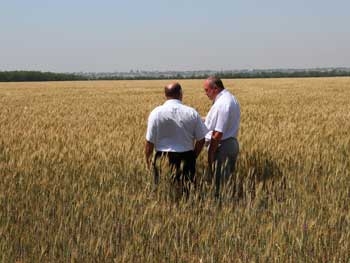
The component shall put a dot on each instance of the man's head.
(212, 87)
(173, 91)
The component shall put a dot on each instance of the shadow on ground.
(258, 179)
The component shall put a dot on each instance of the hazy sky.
(76, 35)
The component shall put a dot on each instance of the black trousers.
(182, 165)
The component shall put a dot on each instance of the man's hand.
(148, 153)
(198, 147)
(214, 143)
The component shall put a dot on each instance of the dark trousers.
(225, 161)
(182, 166)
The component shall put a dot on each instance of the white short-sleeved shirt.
(223, 116)
(173, 127)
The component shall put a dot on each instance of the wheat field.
(74, 185)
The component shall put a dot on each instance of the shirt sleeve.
(222, 119)
(151, 132)
(200, 130)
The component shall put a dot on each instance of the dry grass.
(73, 184)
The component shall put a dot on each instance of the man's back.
(173, 127)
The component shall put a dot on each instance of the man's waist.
(174, 148)
(225, 136)
(167, 152)
(180, 155)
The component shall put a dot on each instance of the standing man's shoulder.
(155, 110)
(154, 116)
(191, 110)
(231, 98)
(235, 100)
(187, 107)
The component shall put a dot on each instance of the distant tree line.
(238, 75)
(8, 76)
(285, 74)
(12, 76)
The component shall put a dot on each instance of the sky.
(110, 36)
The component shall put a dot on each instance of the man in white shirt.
(177, 132)
(222, 121)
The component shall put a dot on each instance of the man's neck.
(218, 95)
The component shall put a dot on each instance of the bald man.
(176, 132)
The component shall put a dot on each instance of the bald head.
(173, 91)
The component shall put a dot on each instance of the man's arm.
(199, 134)
(148, 153)
(214, 143)
(198, 147)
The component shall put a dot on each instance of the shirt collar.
(172, 101)
(220, 94)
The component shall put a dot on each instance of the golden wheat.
(73, 183)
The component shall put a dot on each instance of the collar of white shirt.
(172, 101)
(220, 94)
